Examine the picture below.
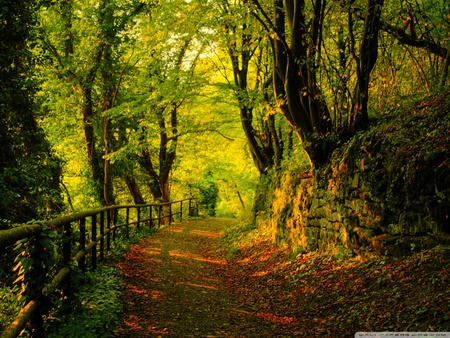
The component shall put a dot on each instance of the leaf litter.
(179, 283)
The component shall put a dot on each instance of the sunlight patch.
(189, 255)
(210, 287)
(205, 233)
(259, 273)
(271, 317)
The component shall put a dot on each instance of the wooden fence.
(83, 239)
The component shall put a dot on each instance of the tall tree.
(164, 68)
(87, 44)
(295, 30)
(247, 55)
(29, 171)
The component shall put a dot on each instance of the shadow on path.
(173, 285)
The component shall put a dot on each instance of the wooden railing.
(89, 232)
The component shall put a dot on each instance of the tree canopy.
(118, 101)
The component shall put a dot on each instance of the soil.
(179, 283)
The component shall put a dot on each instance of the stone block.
(344, 237)
(335, 217)
(432, 225)
(318, 212)
(314, 222)
(312, 235)
(355, 181)
(337, 226)
(394, 229)
(411, 223)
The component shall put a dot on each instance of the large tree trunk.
(295, 85)
(296, 59)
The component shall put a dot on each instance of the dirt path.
(174, 286)
(178, 283)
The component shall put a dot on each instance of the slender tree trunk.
(107, 173)
(133, 187)
(259, 141)
(445, 69)
(146, 163)
(108, 138)
(94, 158)
(368, 54)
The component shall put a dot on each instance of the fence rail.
(95, 231)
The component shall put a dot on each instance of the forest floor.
(184, 282)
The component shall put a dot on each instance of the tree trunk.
(107, 174)
(260, 142)
(133, 187)
(368, 54)
(146, 163)
(94, 159)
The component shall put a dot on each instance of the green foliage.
(96, 306)
(208, 194)
(29, 170)
(35, 263)
(296, 163)
(235, 234)
(232, 253)
(9, 306)
(95, 309)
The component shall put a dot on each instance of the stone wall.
(387, 191)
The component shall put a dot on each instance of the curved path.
(178, 283)
(175, 285)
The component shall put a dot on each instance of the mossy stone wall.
(387, 191)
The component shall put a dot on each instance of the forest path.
(179, 283)
(176, 285)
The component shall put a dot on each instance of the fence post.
(151, 216)
(181, 211)
(139, 216)
(108, 229)
(102, 234)
(190, 207)
(94, 239)
(67, 250)
(34, 278)
(115, 221)
(127, 220)
(159, 215)
(82, 263)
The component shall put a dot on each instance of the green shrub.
(95, 309)
(9, 307)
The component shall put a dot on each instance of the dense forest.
(326, 121)
(106, 102)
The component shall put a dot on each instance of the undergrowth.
(95, 309)
(9, 307)
(96, 306)
(245, 232)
